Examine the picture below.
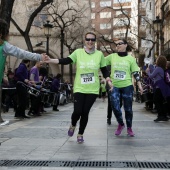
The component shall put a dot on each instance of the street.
(45, 138)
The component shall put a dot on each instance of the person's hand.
(110, 85)
(140, 87)
(45, 57)
(32, 83)
(147, 70)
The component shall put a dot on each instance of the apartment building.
(162, 10)
(167, 31)
(146, 25)
(112, 19)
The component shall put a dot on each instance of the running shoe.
(119, 130)
(71, 130)
(130, 132)
(80, 138)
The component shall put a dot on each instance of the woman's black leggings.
(82, 105)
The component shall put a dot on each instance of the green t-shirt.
(121, 69)
(2, 63)
(103, 87)
(87, 69)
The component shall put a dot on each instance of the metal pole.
(47, 51)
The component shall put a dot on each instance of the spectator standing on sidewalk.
(123, 66)
(161, 89)
(55, 87)
(86, 85)
(167, 79)
(36, 104)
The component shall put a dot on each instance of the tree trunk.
(6, 9)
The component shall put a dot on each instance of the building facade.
(22, 10)
(112, 19)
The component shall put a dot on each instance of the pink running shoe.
(80, 138)
(119, 130)
(130, 132)
(71, 130)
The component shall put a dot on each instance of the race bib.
(87, 78)
(119, 75)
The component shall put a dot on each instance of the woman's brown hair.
(90, 33)
(128, 48)
(161, 62)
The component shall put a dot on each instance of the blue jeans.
(127, 97)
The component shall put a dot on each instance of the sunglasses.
(120, 43)
(90, 39)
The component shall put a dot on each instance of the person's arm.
(136, 75)
(154, 73)
(9, 49)
(32, 77)
(105, 72)
(63, 61)
(106, 75)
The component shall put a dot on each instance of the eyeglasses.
(120, 43)
(90, 39)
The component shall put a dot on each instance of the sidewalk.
(45, 138)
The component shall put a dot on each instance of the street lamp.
(157, 28)
(47, 31)
(157, 24)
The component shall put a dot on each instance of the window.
(118, 13)
(121, 1)
(105, 26)
(92, 15)
(150, 5)
(105, 3)
(121, 12)
(121, 22)
(119, 34)
(105, 15)
(92, 4)
(107, 36)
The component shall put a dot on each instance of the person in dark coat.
(55, 87)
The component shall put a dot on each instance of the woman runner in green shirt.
(86, 84)
(123, 67)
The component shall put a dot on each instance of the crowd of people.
(118, 82)
(156, 83)
(36, 94)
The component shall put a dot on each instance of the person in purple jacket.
(55, 87)
(167, 79)
(161, 92)
(36, 105)
(21, 88)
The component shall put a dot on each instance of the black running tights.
(82, 105)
